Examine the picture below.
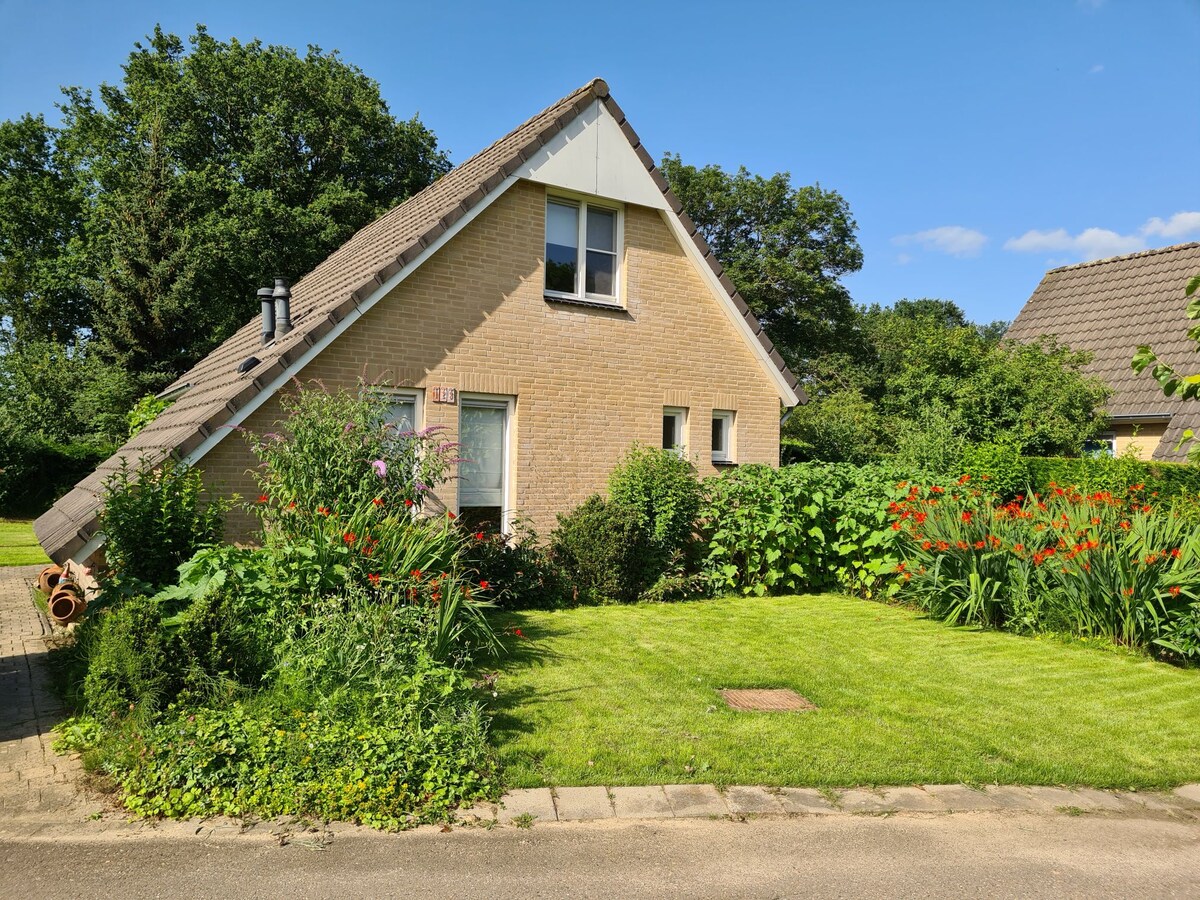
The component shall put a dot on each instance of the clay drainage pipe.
(67, 603)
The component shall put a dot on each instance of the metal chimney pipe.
(283, 307)
(267, 296)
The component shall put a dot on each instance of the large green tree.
(161, 203)
(785, 248)
(930, 372)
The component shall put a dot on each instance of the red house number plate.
(444, 394)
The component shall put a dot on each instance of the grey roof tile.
(1109, 308)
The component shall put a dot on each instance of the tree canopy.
(929, 369)
(783, 247)
(147, 219)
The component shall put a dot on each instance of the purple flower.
(380, 468)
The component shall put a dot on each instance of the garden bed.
(629, 695)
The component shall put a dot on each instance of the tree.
(928, 373)
(202, 174)
(784, 248)
(42, 291)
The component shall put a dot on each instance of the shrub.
(605, 552)
(1000, 466)
(809, 526)
(1115, 474)
(156, 516)
(340, 450)
(35, 471)
(660, 489)
(520, 573)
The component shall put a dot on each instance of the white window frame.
(508, 404)
(728, 417)
(417, 397)
(680, 414)
(581, 203)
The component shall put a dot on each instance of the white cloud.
(1096, 69)
(1179, 225)
(954, 240)
(1097, 243)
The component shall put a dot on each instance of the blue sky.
(978, 144)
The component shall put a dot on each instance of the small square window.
(722, 436)
(674, 431)
(582, 249)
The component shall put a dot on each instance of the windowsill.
(582, 301)
(724, 463)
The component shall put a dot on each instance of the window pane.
(403, 416)
(599, 278)
(481, 474)
(601, 229)
(668, 432)
(718, 436)
(562, 251)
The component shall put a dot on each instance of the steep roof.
(337, 288)
(1111, 306)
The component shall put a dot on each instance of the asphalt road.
(961, 855)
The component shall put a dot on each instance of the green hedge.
(1011, 474)
(35, 472)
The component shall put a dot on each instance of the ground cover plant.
(18, 546)
(628, 695)
(322, 673)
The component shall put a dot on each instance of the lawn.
(628, 695)
(18, 546)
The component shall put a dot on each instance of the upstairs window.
(582, 245)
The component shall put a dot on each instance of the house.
(1109, 308)
(547, 301)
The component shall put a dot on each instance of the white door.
(483, 473)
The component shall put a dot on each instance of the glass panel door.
(483, 428)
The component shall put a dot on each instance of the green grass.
(628, 695)
(18, 546)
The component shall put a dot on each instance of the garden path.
(33, 779)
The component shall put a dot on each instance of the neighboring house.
(1109, 308)
(547, 301)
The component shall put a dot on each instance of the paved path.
(33, 779)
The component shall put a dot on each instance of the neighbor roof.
(1109, 308)
(334, 289)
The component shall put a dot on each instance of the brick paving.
(33, 779)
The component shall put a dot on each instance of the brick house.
(1109, 308)
(547, 301)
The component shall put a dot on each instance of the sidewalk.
(33, 779)
(38, 793)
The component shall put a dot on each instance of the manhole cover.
(767, 700)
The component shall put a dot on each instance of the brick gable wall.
(587, 382)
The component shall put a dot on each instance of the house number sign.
(444, 394)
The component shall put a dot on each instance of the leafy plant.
(605, 552)
(156, 516)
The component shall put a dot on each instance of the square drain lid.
(767, 700)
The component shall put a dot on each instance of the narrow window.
(562, 247)
(601, 269)
(722, 436)
(674, 424)
(403, 413)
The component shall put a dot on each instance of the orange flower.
(1020, 548)
(373, 577)
(322, 510)
(966, 516)
(1174, 592)
(483, 585)
(378, 501)
(262, 498)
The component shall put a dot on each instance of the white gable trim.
(592, 156)
(341, 327)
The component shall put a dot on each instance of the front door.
(483, 473)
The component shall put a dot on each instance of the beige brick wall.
(587, 382)
(1143, 438)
